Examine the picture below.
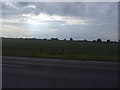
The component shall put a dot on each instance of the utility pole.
(46, 36)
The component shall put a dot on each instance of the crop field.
(80, 50)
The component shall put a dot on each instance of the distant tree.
(54, 39)
(94, 40)
(85, 40)
(21, 38)
(108, 40)
(114, 41)
(99, 40)
(118, 40)
(71, 39)
(64, 39)
(44, 39)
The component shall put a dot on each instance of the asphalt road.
(23, 72)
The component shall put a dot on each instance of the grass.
(61, 49)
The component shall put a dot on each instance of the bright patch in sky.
(31, 6)
(47, 19)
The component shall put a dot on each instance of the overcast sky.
(78, 20)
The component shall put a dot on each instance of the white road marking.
(13, 65)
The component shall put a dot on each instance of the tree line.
(71, 39)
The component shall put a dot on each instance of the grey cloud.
(98, 11)
(68, 9)
(23, 4)
(77, 9)
(104, 14)
(7, 10)
(64, 9)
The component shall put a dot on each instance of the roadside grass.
(62, 56)
(61, 49)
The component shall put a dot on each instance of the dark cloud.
(67, 8)
(97, 11)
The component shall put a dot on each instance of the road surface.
(24, 72)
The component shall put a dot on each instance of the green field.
(80, 50)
